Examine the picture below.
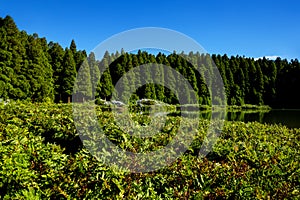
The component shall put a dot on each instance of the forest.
(33, 69)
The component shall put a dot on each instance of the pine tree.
(240, 82)
(123, 89)
(106, 85)
(251, 98)
(149, 91)
(39, 71)
(56, 53)
(68, 75)
(5, 71)
(159, 79)
(73, 47)
(94, 72)
(83, 85)
(13, 55)
(170, 93)
(259, 85)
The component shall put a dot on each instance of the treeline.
(246, 80)
(33, 69)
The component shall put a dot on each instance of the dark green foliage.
(12, 60)
(39, 71)
(56, 53)
(105, 85)
(68, 74)
(83, 84)
(94, 72)
(34, 70)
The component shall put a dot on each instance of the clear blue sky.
(252, 28)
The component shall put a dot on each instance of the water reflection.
(289, 118)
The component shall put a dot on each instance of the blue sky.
(251, 28)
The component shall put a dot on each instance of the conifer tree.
(83, 84)
(94, 72)
(56, 53)
(68, 75)
(39, 71)
(106, 88)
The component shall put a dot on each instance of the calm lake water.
(289, 118)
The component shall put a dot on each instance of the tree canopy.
(33, 69)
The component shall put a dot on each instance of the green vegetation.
(42, 157)
(33, 69)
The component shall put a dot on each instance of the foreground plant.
(42, 157)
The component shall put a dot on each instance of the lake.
(287, 117)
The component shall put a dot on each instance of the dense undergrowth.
(42, 157)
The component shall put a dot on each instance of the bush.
(39, 159)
